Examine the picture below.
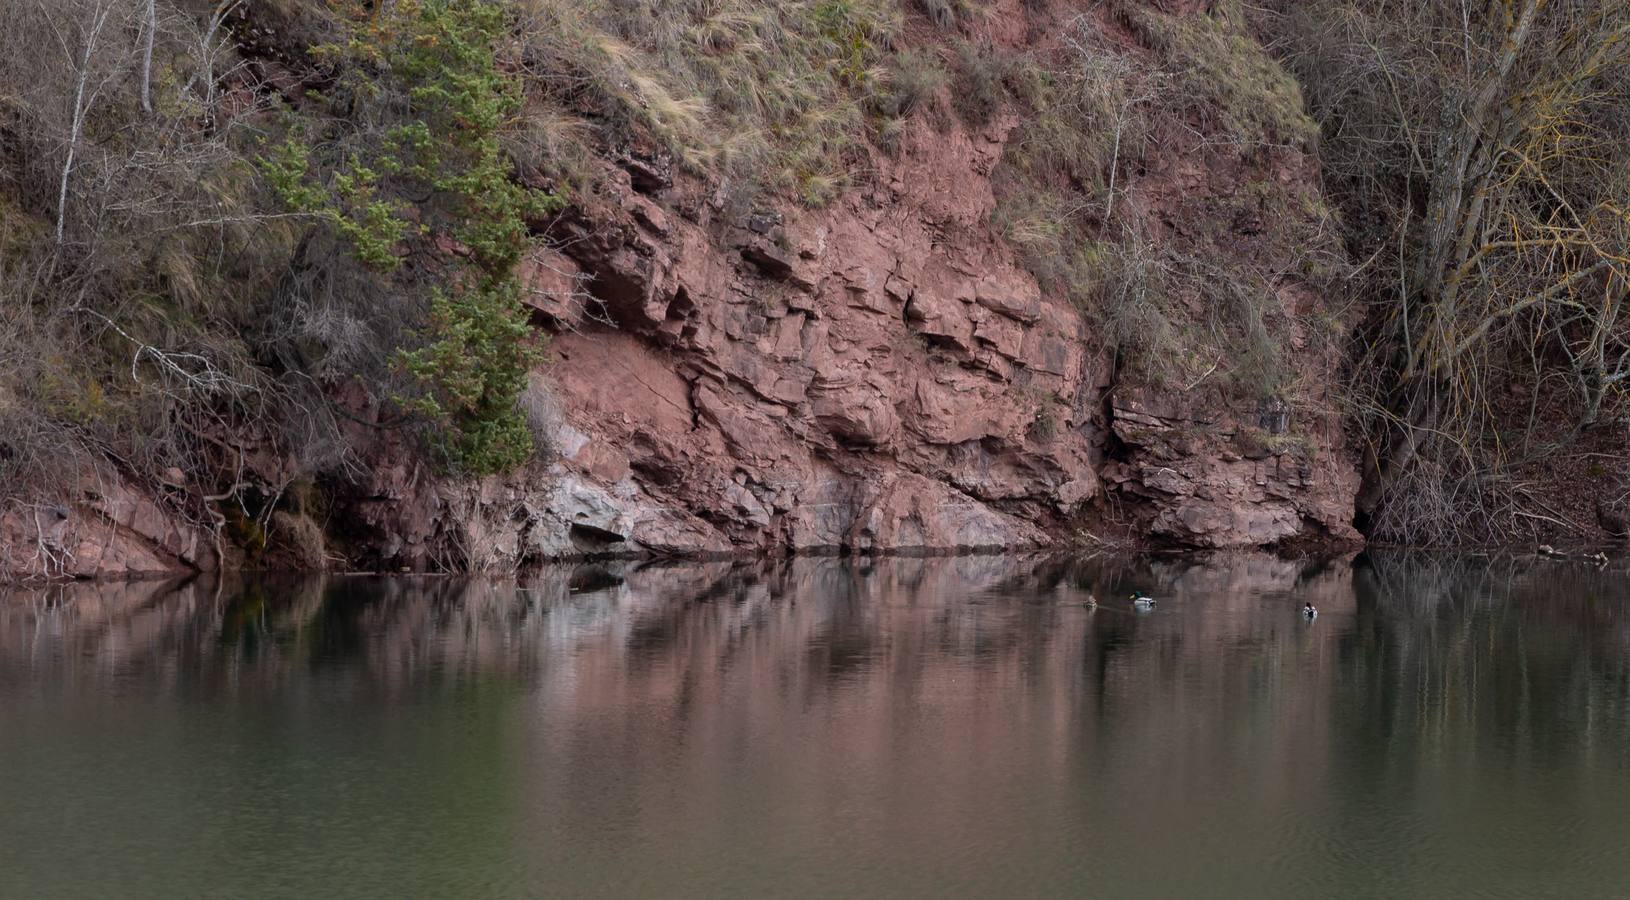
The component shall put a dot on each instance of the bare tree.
(151, 32)
(1481, 151)
(84, 92)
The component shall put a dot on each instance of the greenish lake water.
(959, 727)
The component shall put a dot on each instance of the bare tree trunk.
(1114, 166)
(205, 73)
(147, 58)
(78, 125)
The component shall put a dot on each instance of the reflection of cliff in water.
(1408, 637)
(838, 616)
(889, 709)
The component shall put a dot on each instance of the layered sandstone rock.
(875, 376)
(1210, 480)
(105, 529)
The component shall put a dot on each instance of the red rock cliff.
(878, 375)
(883, 375)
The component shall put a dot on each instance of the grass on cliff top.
(774, 93)
(1219, 74)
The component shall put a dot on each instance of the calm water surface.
(947, 727)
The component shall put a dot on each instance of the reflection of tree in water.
(1521, 652)
(1487, 672)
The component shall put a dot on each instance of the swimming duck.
(1309, 611)
(1142, 603)
(1091, 602)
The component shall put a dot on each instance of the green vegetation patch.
(431, 167)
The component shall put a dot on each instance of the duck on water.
(1141, 602)
(1309, 611)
